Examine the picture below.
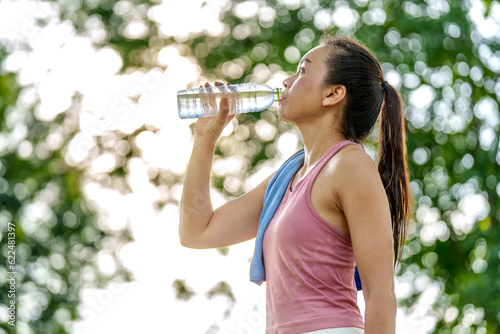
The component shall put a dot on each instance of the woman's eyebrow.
(305, 60)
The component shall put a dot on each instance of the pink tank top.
(309, 265)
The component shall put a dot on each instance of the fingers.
(231, 95)
(204, 99)
(209, 102)
(226, 111)
(223, 108)
(223, 112)
(216, 83)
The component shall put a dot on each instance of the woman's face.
(303, 94)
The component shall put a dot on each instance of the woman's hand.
(210, 128)
(200, 225)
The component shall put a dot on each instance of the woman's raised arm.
(234, 222)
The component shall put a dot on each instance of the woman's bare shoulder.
(352, 160)
(351, 167)
(354, 154)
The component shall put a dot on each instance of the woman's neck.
(318, 140)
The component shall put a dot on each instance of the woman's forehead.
(316, 53)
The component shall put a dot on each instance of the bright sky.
(60, 64)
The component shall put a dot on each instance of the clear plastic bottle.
(243, 98)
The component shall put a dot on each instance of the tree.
(50, 236)
(437, 53)
(447, 70)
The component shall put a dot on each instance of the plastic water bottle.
(242, 98)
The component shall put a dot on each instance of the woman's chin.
(282, 115)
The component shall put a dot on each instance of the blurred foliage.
(183, 292)
(431, 49)
(453, 141)
(57, 238)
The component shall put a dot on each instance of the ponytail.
(368, 94)
(393, 168)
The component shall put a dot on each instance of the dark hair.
(368, 94)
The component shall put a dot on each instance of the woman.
(338, 211)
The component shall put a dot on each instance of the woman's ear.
(334, 95)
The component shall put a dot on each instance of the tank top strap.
(323, 161)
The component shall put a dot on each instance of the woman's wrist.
(206, 143)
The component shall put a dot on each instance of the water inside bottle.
(195, 103)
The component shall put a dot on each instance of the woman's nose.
(285, 83)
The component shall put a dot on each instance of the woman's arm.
(233, 222)
(364, 202)
(236, 221)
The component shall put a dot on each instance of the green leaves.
(432, 51)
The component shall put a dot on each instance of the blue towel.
(272, 199)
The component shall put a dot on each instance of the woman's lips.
(282, 98)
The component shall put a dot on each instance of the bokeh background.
(93, 155)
